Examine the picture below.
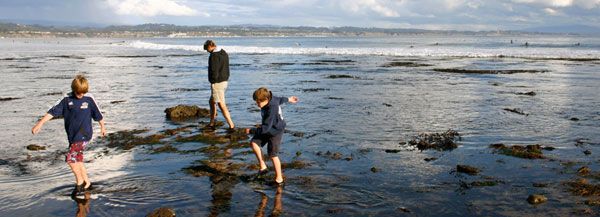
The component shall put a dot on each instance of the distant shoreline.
(12, 30)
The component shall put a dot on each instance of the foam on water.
(416, 51)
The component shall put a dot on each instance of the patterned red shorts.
(75, 153)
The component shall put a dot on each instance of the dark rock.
(592, 202)
(165, 149)
(340, 76)
(540, 185)
(181, 112)
(548, 148)
(295, 164)
(489, 71)
(205, 137)
(404, 64)
(128, 139)
(392, 150)
(34, 147)
(516, 110)
(314, 89)
(584, 171)
(185, 89)
(8, 98)
(487, 183)
(530, 93)
(587, 152)
(528, 152)
(467, 169)
(403, 209)
(574, 119)
(536, 199)
(438, 141)
(298, 153)
(162, 212)
(581, 187)
(430, 159)
(3, 162)
(117, 101)
(375, 170)
(386, 104)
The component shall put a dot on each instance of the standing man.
(218, 74)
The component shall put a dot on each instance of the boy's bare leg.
(259, 157)
(225, 112)
(84, 175)
(213, 111)
(277, 165)
(76, 172)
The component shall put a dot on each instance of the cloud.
(376, 6)
(551, 11)
(587, 4)
(151, 8)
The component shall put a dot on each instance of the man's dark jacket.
(218, 67)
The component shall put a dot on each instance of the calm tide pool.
(361, 101)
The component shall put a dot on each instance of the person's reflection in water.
(83, 204)
(277, 205)
(221, 193)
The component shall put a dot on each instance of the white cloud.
(150, 8)
(374, 5)
(587, 4)
(551, 11)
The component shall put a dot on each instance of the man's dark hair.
(209, 43)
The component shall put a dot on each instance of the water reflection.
(221, 186)
(277, 204)
(83, 204)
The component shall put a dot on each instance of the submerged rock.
(438, 141)
(582, 187)
(587, 152)
(340, 76)
(515, 110)
(467, 169)
(181, 112)
(536, 199)
(404, 64)
(530, 93)
(165, 149)
(162, 212)
(128, 139)
(528, 152)
(34, 147)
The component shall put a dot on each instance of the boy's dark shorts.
(273, 143)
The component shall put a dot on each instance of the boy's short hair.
(261, 94)
(79, 85)
(209, 43)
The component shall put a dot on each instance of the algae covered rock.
(162, 212)
(182, 112)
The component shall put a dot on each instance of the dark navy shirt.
(272, 118)
(78, 115)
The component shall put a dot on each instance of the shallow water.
(379, 108)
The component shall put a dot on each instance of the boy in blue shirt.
(271, 129)
(78, 109)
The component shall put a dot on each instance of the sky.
(423, 14)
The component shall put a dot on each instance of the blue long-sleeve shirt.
(78, 115)
(272, 118)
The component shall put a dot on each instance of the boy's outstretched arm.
(40, 123)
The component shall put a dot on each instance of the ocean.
(362, 100)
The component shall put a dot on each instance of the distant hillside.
(170, 30)
(574, 29)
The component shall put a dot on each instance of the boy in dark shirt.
(78, 109)
(271, 129)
